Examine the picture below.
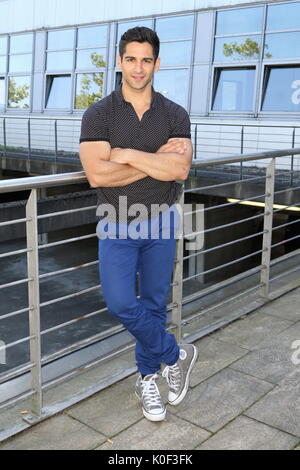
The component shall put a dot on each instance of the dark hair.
(140, 34)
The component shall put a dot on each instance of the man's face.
(138, 65)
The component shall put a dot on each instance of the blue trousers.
(145, 318)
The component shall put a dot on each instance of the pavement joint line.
(84, 424)
(271, 426)
(253, 376)
(173, 413)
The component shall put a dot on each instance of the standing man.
(134, 144)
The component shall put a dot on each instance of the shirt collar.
(121, 99)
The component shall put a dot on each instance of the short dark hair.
(140, 34)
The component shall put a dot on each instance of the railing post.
(4, 137)
(268, 226)
(178, 274)
(34, 304)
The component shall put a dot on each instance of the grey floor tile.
(260, 325)
(213, 356)
(273, 360)
(171, 434)
(247, 434)
(281, 406)
(57, 433)
(220, 398)
(285, 307)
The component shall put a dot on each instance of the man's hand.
(175, 145)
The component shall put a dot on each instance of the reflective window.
(173, 84)
(58, 91)
(21, 43)
(283, 16)
(3, 45)
(89, 89)
(243, 20)
(282, 45)
(123, 27)
(2, 63)
(234, 89)
(93, 36)
(2, 92)
(91, 58)
(237, 48)
(63, 39)
(19, 92)
(60, 60)
(282, 90)
(178, 27)
(175, 53)
(20, 63)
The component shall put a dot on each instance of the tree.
(85, 96)
(17, 94)
(247, 49)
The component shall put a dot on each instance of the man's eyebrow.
(132, 57)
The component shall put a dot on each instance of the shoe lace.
(150, 391)
(172, 376)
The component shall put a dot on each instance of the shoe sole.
(152, 417)
(187, 381)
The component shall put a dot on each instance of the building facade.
(220, 59)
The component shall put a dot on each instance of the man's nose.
(139, 67)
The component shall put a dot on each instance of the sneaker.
(147, 392)
(178, 375)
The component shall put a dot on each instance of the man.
(134, 144)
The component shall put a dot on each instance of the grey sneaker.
(178, 375)
(147, 392)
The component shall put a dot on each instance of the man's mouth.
(138, 78)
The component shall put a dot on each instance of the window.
(173, 84)
(234, 89)
(58, 91)
(243, 20)
(89, 89)
(175, 36)
(2, 93)
(20, 54)
(19, 92)
(91, 48)
(282, 45)
(237, 48)
(60, 50)
(283, 16)
(282, 89)
(3, 52)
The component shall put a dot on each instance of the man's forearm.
(112, 174)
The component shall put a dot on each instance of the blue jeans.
(145, 318)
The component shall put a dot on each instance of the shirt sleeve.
(181, 124)
(94, 126)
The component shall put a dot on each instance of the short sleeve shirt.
(114, 120)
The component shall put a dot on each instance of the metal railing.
(219, 294)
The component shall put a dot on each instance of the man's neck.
(138, 98)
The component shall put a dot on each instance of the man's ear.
(157, 64)
(119, 61)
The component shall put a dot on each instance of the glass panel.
(282, 89)
(21, 43)
(3, 64)
(178, 27)
(243, 20)
(123, 27)
(91, 59)
(18, 92)
(60, 60)
(237, 48)
(63, 39)
(235, 89)
(89, 89)
(282, 45)
(3, 45)
(175, 53)
(58, 92)
(173, 84)
(285, 16)
(94, 36)
(20, 63)
(2, 92)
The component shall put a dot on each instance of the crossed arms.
(109, 167)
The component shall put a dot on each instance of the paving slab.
(281, 406)
(273, 360)
(247, 434)
(221, 398)
(58, 433)
(260, 325)
(213, 356)
(285, 307)
(172, 433)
